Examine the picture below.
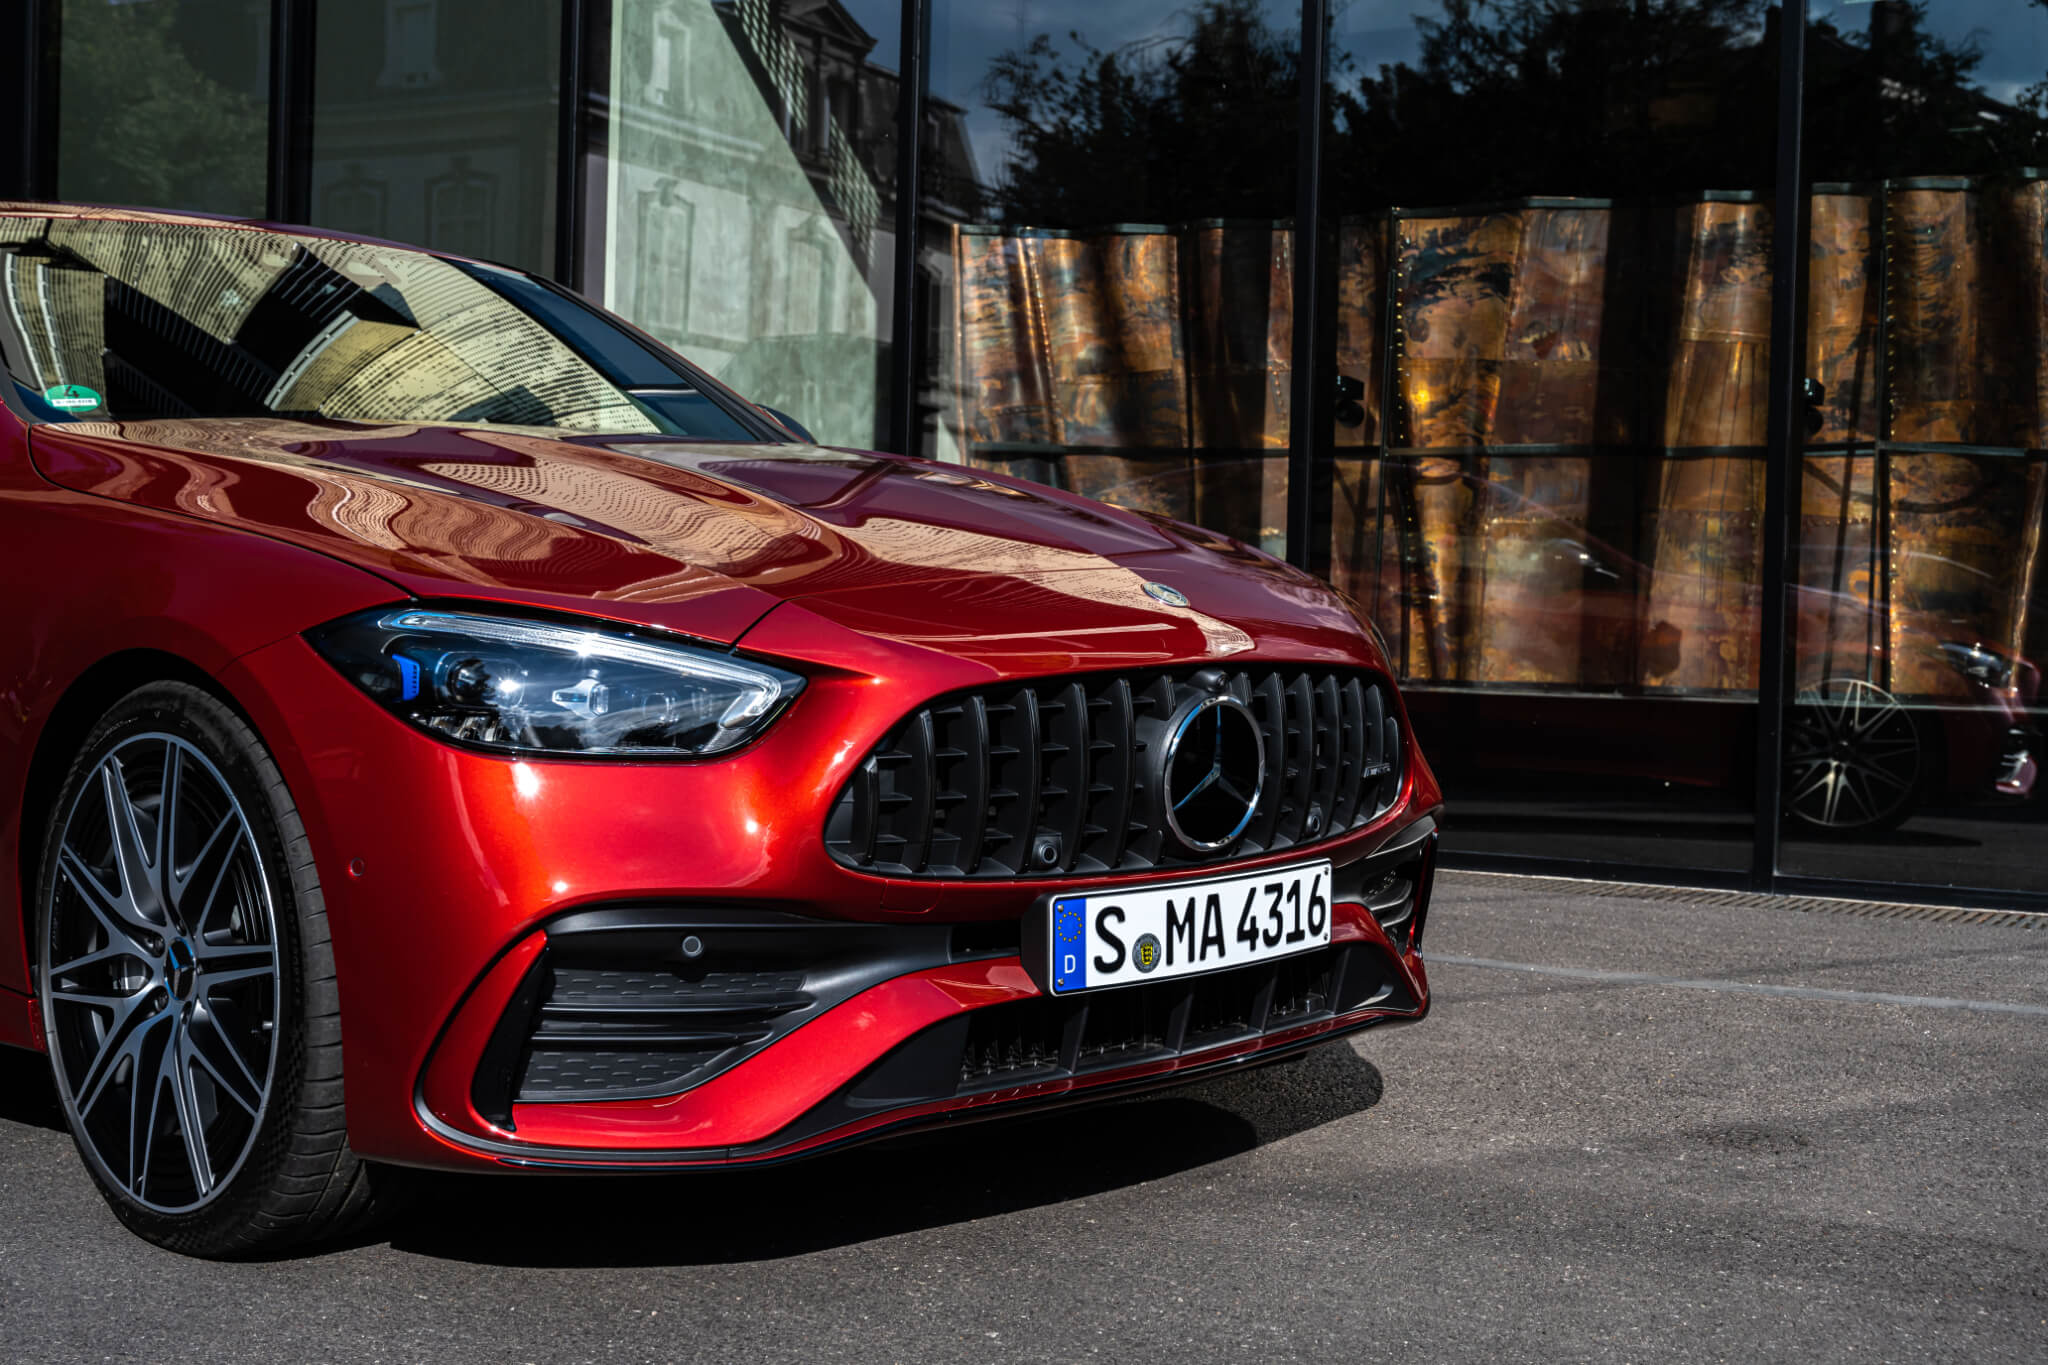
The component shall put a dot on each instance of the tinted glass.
(1552, 288)
(1108, 251)
(747, 193)
(164, 104)
(129, 320)
(434, 123)
(1921, 603)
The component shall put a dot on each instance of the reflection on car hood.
(698, 537)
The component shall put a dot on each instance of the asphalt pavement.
(1632, 1129)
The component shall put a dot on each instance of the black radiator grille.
(1050, 1036)
(1049, 778)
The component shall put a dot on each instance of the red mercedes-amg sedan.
(443, 728)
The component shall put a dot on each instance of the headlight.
(541, 687)
(1978, 663)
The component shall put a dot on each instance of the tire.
(1855, 764)
(188, 988)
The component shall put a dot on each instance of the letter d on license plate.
(1122, 936)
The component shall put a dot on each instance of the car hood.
(698, 536)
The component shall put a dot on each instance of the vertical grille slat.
(1297, 772)
(1269, 705)
(1114, 771)
(1326, 757)
(918, 780)
(1067, 771)
(1056, 776)
(973, 810)
(1350, 752)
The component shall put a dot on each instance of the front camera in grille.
(1061, 776)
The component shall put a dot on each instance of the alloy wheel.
(1853, 757)
(160, 968)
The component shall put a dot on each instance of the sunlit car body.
(819, 916)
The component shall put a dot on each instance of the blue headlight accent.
(408, 677)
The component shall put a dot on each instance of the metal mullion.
(570, 88)
(1785, 436)
(1310, 487)
(906, 349)
(42, 33)
(288, 182)
(18, 153)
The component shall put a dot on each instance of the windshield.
(109, 320)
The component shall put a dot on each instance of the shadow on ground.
(27, 1093)
(955, 1175)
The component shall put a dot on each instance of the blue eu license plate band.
(1069, 944)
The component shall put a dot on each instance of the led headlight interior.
(527, 687)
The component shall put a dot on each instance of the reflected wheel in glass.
(1852, 758)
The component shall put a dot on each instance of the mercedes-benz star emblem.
(1159, 592)
(1214, 771)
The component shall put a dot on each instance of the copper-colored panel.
(1113, 337)
(1444, 506)
(1531, 578)
(1005, 391)
(1365, 540)
(2030, 581)
(1838, 619)
(1456, 278)
(1700, 612)
(1967, 302)
(2024, 218)
(1240, 369)
(1956, 562)
(1551, 357)
(1842, 316)
(2013, 360)
(1937, 297)
(1117, 363)
(1718, 385)
(1702, 527)
(1361, 287)
(1241, 335)
(1535, 622)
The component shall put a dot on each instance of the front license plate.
(1117, 937)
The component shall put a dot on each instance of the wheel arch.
(78, 708)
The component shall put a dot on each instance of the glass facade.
(1699, 490)
(1112, 197)
(163, 104)
(1549, 484)
(423, 134)
(1914, 732)
(748, 173)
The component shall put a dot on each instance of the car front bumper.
(458, 886)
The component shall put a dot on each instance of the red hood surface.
(707, 538)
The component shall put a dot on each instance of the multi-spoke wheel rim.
(160, 971)
(1853, 756)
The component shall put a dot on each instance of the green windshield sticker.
(71, 397)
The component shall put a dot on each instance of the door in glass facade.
(747, 185)
(1920, 606)
(1107, 251)
(1552, 245)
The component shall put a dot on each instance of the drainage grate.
(1758, 900)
